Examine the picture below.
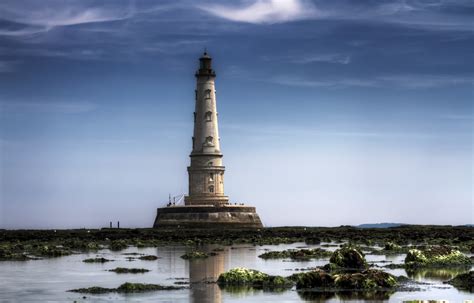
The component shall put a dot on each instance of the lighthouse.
(206, 205)
(206, 172)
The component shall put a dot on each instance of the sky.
(330, 112)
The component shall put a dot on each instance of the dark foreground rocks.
(368, 279)
(126, 288)
(148, 258)
(96, 260)
(463, 281)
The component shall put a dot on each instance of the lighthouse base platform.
(207, 216)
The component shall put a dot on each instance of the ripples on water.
(48, 280)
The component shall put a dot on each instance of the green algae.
(195, 255)
(362, 280)
(118, 245)
(368, 279)
(297, 254)
(124, 270)
(254, 278)
(436, 256)
(96, 260)
(390, 246)
(126, 287)
(348, 257)
(148, 258)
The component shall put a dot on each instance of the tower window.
(211, 188)
(208, 116)
(209, 141)
(211, 177)
(208, 94)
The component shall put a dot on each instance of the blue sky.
(330, 112)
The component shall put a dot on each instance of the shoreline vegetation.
(22, 245)
(425, 247)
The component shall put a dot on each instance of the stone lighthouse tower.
(206, 205)
(206, 173)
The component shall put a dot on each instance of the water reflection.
(318, 296)
(203, 272)
(437, 274)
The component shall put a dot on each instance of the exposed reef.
(148, 258)
(366, 279)
(464, 281)
(23, 245)
(96, 260)
(254, 278)
(436, 256)
(126, 288)
(194, 255)
(348, 258)
(123, 270)
(297, 254)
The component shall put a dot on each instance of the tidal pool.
(48, 280)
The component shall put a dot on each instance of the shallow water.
(48, 280)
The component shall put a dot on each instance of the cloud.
(397, 81)
(332, 83)
(31, 18)
(7, 66)
(425, 81)
(312, 58)
(265, 11)
(47, 107)
(174, 47)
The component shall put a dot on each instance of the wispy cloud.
(425, 81)
(7, 66)
(311, 58)
(332, 83)
(177, 46)
(411, 81)
(264, 11)
(42, 18)
(47, 107)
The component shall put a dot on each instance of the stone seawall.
(207, 217)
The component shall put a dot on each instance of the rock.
(194, 255)
(390, 246)
(296, 254)
(368, 279)
(148, 258)
(93, 290)
(463, 281)
(96, 260)
(118, 245)
(140, 287)
(53, 251)
(313, 279)
(251, 277)
(126, 288)
(123, 270)
(435, 256)
(312, 240)
(348, 257)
